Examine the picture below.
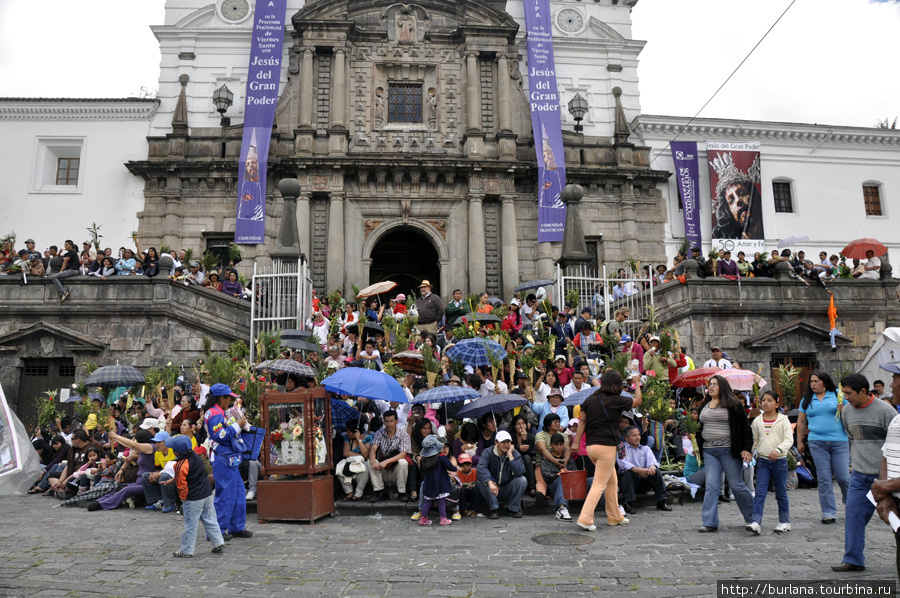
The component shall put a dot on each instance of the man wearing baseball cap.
(192, 485)
(501, 476)
(227, 446)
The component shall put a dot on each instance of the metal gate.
(282, 298)
(599, 291)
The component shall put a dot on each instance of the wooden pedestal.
(295, 500)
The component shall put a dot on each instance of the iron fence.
(281, 299)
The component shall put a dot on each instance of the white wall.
(826, 164)
(113, 132)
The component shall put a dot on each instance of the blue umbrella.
(492, 403)
(446, 394)
(476, 352)
(363, 382)
(341, 413)
(581, 396)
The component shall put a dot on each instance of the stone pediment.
(72, 340)
(604, 32)
(198, 18)
(811, 332)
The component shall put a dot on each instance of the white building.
(64, 168)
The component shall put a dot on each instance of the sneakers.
(445, 521)
(63, 297)
(622, 521)
(782, 527)
(157, 506)
(753, 527)
(424, 521)
(244, 533)
(219, 548)
(416, 515)
(585, 526)
(251, 495)
(169, 509)
(226, 537)
(181, 555)
(456, 516)
(562, 514)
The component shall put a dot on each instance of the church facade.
(408, 127)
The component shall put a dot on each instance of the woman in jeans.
(828, 443)
(726, 441)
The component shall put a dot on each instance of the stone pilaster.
(307, 92)
(473, 94)
(335, 252)
(339, 89)
(477, 267)
(504, 104)
(509, 245)
(303, 223)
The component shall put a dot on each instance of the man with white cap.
(431, 309)
(718, 360)
(501, 476)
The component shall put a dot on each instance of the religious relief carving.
(371, 225)
(405, 23)
(514, 69)
(379, 107)
(406, 28)
(491, 186)
(405, 206)
(432, 103)
(319, 183)
(440, 226)
(294, 64)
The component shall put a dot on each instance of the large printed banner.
(687, 174)
(736, 192)
(263, 78)
(543, 96)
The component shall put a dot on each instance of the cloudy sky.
(828, 61)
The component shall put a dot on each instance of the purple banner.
(266, 49)
(543, 97)
(687, 173)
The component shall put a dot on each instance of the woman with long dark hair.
(726, 442)
(51, 458)
(600, 416)
(828, 443)
(512, 323)
(421, 429)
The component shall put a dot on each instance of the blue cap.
(181, 444)
(160, 437)
(221, 390)
(625, 338)
(890, 367)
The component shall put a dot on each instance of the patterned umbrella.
(377, 289)
(695, 378)
(534, 284)
(363, 382)
(410, 361)
(288, 366)
(115, 375)
(446, 394)
(742, 379)
(476, 351)
(341, 413)
(492, 403)
(857, 249)
(580, 397)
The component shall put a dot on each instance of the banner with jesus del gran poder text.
(736, 193)
(687, 177)
(543, 97)
(266, 49)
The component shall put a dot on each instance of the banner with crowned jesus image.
(736, 192)
(263, 77)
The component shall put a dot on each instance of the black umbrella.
(301, 345)
(495, 301)
(294, 334)
(489, 318)
(534, 284)
(288, 366)
(115, 376)
(373, 327)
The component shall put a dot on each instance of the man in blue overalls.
(227, 446)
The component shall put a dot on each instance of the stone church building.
(409, 130)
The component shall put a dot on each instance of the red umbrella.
(695, 378)
(857, 249)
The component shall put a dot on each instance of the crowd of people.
(470, 467)
(58, 265)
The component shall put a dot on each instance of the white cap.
(150, 422)
(503, 436)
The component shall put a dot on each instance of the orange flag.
(832, 313)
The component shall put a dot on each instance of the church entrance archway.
(406, 257)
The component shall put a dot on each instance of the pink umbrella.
(742, 379)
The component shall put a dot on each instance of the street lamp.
(578, 106)
(223, 98)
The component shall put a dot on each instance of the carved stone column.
(477, 267)
(339, 89)
(335, 252)
(303, 223)
(545, 262)
(504, 104)
(306, 87)
(629, 222)
(473, 93)
(509, 245)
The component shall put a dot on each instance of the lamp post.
(223, 99)
(578, 107)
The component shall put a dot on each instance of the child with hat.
(192, 483)
(435, 481)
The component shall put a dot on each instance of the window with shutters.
(872, 198)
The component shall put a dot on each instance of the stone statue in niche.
(379, 106)
(432, 102)
(406, 28)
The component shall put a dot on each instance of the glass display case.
(295, 482)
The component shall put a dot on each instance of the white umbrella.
(792, 240)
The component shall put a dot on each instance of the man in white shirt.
(488, 386)
(873, 266)
(576, 385)
(527, 311)
(717, 361)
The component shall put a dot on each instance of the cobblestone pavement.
(69, 552)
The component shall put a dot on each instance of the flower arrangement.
(276, 437)
(46, 408)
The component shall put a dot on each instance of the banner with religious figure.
(687, 178)
(544, 100)
(266, 49)
(735, 187)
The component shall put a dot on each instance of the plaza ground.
(50, 553)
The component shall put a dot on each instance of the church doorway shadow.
(406, 257)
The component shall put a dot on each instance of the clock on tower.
(234, 11)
